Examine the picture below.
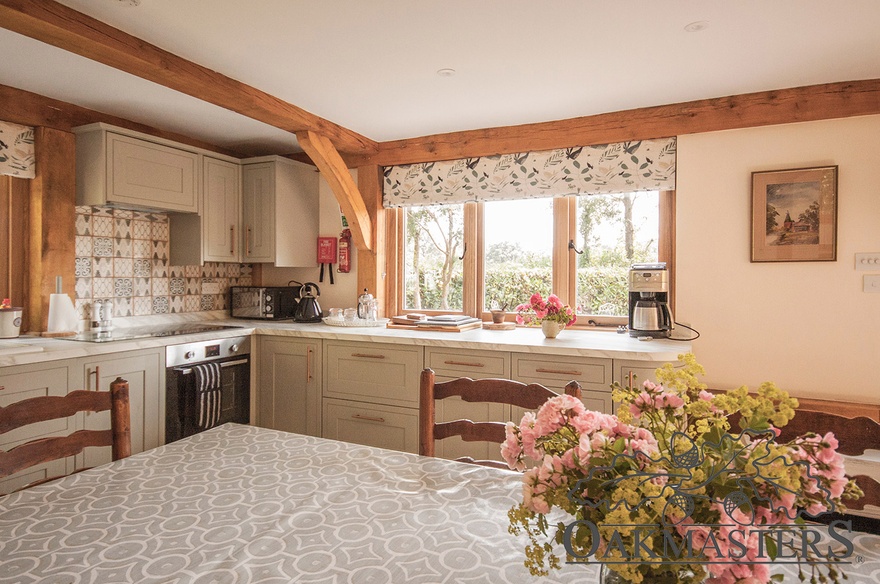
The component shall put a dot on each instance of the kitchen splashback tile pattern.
(123, 255)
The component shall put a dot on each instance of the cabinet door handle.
(247, 242)
(559, 372)
(232, 239)
(309, 365)
(97, 378)
(367, 356)
(368, 418)
(630, 379)
(464, 363)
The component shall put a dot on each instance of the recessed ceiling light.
(446, 72)
(697, 26)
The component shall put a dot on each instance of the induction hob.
(143, 332)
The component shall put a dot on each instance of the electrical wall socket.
(871, 283)
(210, 287)
(868, 262)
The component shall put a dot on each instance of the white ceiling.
(371, 66)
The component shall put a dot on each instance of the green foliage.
(509, 286)
(603, 290)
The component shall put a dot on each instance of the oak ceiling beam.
(33, 109)
(800, 104)
(333, 169)
(73, 31)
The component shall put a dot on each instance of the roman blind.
(623, 167)
(17, 150)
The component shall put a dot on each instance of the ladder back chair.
(501, 391)
(42, 409)
(854, 437)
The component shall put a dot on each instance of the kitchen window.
(473, 257)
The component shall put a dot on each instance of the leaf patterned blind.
(17, 150)
(623, 167)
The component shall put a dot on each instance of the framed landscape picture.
(794, 215)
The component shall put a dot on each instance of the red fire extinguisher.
(345, 252)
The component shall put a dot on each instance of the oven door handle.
(223, 365)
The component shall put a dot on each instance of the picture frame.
(794, 215)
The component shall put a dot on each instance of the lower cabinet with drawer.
(376, 425)
(371, 394)
(555, 371)
(451, 364)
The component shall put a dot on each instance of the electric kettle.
(652, 318)
(308, 309)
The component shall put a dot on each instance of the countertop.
(583, 343)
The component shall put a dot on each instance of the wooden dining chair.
(501, 391)
(42, 409)
(854, 437)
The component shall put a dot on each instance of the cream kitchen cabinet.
(214, 235)
(641, 371)
(129, 169)
(453, 363)
(369, 424)
(221, 210)
(371, 394)
(555, 371)
(38, 380)
(289, 385)
(373, 373)
(280, 212)
(144, 371)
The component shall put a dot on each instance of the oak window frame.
(564, 260)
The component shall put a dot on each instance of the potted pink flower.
(551, 314)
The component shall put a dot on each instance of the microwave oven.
(264, 302)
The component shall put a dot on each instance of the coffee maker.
(649, 314)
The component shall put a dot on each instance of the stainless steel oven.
(182, 413)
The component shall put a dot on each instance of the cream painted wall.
(344, 292)
(807, 326)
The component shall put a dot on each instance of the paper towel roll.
(62, 314)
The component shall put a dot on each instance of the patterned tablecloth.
(244, 504)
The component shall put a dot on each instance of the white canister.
(10, 322)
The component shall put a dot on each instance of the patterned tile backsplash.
(123, 255)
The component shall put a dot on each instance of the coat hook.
(576, 250)
(463, 252)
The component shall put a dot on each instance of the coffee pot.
(652, 318)
(308, 309)
(366, 306)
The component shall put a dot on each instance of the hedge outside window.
(521, 247)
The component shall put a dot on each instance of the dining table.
(243, 504)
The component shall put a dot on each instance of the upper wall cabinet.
(280, 212)
(127, 169)
(221, 211)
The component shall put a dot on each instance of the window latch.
(572, 247)
(463, 252)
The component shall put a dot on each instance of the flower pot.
(551, 328)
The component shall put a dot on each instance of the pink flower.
(511, 449)
(667, 399)
(529, 435)
(554, 301)
(556, 412)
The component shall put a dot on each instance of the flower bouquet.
(666, 491)
(551, 315)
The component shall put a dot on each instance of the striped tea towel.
(208, 394)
